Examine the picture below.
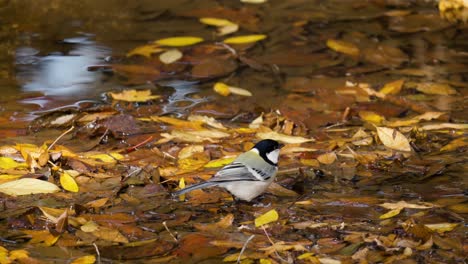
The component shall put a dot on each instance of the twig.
(273, 244)
(244, 247)
(98, 253)
(172, 235)
(130, 149)
(59, 137)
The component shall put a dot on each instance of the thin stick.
(59, 137)
(98, 253)
(244, 247)
(165, 226)
(273, 244)
(130, 149)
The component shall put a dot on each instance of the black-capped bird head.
(269, 150)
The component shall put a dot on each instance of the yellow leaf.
(43, 237)
(108, 158)
(445, 126)
(392, 87)
(452, 145)
(7, 177)
(265, 261)
(89, 227)
(327, 158)
(283, 138)
(219, 162)
(189, 151)
(403, 204)
(68, 182)
(371, 117)
(9, 163)
(170, 56)
(217, 22)
(197, 125)
(222, 89)
(310, 162)
(244, 39)
(179, 41)
(194, 136)
(442, 227)
(110, 234)
(182, 186)
(145, 50)
(206, 120)
(89, 259)
(134, 95)
(222, 31)
(435, 88)
(391, 213)
(18, 254)
(343, 47)
(266, 218)
(393, 139)
(28, 186)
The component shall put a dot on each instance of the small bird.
(249, 175)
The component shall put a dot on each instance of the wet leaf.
(414, 120)
(283, 138)
(229, 29)
(68, 182)
(371, 117)
(207, 120)
(194, 124)
(244, 39)
(89, 259)
(452, 145)
(393, 139)
(97, 203)
(19, 254)
(134, 95)
(435, 88)
(361, 138)
(392, 87)
(254, 1)
(266, 218)
(9, 163)
(403, 204)
(110, 234)
(343, 47)
(6, 178)
(225, 90)
(219, 162)
(223, 223)
(327, 158)
(442, 227)
(445, 126)
(108, 158)
(145, 50)
(217, 22)
(194, 136)
(179, 41)
(189, 151)
(27, 186)
(170, 56)
(43, 237)
(391, 213)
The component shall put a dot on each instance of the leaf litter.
(368, 173)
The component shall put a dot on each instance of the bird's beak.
(281, 145)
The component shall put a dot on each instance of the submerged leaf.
(343, 47)
(217, 22)
(170, 56)
(134, 95)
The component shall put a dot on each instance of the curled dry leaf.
(393, 139)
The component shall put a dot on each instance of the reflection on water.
(65, 74)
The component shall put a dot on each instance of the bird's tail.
(194, 187)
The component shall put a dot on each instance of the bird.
(249, 175)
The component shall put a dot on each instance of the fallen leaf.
(194, 136)
(196, 125)
(283, 138)
(97, 203)
(404, 204)
(266, 218)
(452, 145)
(217, 22)
(110, 234)
(89, 259)
(442, 227)
(393, 139)
(43, 237)
(391, 213)
(414, 120)
(435, 88)
(327, 158)
(226, 30)
(254, 1)
(445, 126)
(134, 95)
(170, 56)
(392, 87)
(343, 47)
(225, 90)
(207, 120)
(68, 182)
(145, 50)
(107, 158)
(9, 163)
(361, 138)
(223, 223)
(189, 151)
(371, 117)
(179, 41)
(244, 39)
(27, 186)
(219, 162)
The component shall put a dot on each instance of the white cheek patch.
(273, 155)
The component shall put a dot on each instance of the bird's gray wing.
(233, 172)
